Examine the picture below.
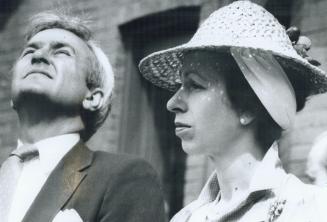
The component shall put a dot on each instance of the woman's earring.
(243, 121)
(246, 118)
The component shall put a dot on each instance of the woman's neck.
(235, 169)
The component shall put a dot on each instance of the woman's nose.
(177, 103)
(40, 56)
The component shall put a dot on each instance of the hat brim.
(162, 68)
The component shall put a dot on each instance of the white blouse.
(273, 196)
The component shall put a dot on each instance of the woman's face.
(205, 121)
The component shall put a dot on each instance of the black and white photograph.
(163, 111)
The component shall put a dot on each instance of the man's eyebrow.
(34, 45)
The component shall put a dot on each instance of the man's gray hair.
(100, 73)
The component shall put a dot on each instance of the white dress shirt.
(36, 171)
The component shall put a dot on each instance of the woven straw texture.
(240, 24)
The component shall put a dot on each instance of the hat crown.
(244, 24)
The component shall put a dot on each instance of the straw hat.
(240, 24)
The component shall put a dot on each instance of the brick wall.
(311, 18)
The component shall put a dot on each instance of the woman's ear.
(93, 100)
(246, 118)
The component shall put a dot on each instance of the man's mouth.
(38, 72)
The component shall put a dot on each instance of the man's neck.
(31, 133)
(37, 123)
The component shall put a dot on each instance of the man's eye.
(62, 52)
(27, 51)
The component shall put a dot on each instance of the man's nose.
(177, 103)
(40, 56)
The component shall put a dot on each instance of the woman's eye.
(195, 85)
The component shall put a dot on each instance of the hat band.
(269, 82)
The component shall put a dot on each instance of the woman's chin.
(191, 148)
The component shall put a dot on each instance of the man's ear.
(247, 118)
(93, 100)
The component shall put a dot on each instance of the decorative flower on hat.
(276, 209)
(301, 44)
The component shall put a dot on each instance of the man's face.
(53, 64)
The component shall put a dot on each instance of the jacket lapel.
(60, 185)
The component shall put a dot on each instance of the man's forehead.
(56, 35)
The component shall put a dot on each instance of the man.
(61, 89)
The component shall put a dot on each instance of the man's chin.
(44, 102)
(29, 96)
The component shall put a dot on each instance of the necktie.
(9, 176)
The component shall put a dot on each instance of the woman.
(239, 83)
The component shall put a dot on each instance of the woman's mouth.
(181, 128)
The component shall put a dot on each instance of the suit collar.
(79, 158)
(61, 184)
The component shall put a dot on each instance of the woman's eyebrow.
(196, 76)
(187, 75)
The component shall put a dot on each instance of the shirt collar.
(268, 175)
(53, 149)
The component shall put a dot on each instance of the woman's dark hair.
(244, 99)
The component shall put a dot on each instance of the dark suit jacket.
(100, 187)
